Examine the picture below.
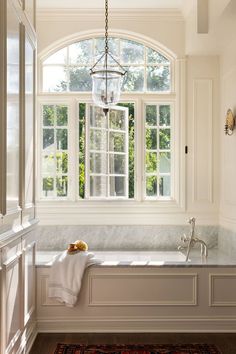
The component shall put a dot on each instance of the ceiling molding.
(64, 15)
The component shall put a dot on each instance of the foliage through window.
(158, 150)
(67, 70)
(126, 155)
(55, 151)
(109, 151)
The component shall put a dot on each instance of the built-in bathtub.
(148, 258)
(133, 291)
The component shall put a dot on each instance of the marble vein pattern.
(227, 241)
(121, 237)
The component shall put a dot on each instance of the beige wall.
(228, 143)
(167, 29)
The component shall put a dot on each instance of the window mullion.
(72, 151)
(139, 149)
(55, 153)
(158, 150)
(127, 154)
(87, 150)
(108, 154)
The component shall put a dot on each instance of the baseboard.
(142, 325)
(30, 340)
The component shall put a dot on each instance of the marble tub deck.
(216, 258)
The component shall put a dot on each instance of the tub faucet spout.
(191, 240)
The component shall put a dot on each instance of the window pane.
(48, 187)
(80, 79)
(48, 164)
(113, 44)
(62, 186)
(98, 186)
(153, 57)
(158, 155)
(117, 186)
(98, 163)
(164, 186)
(131, 142)
(151, 186)
(48, 138)
(12, 75)
(164, 112)
(164, 139)
(62, 162)
(117, 142)
(117, 119)
(48, 115)
(61, 113)
(54, 79)
(117, 164)
(151, 139)
(97, 140)
(99, 46)
(151, 162)
(81, 52)
(59, 57)
(151, 115)
(62, 139)
(158, 78)
(131, 52)
(97, 117)
(164, 162)
(133, 79)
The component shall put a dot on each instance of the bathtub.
(143, 291)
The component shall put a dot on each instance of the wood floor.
(45, 343)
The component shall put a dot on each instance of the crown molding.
(64, 15)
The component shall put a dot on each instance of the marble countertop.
(216, 258)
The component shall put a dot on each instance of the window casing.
(165, 157)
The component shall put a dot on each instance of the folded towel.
(66, 276)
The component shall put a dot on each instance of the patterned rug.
(137, 349)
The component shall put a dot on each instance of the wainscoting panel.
(143, 290)
(222, 290)
(142, 299)
(202, 135)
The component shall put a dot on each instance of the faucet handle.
(184, 238)
(191, 220)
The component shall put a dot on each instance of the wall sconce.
(229, 122)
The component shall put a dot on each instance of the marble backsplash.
(227, 241)
(121, 237)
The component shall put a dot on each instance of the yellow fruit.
(81, 245)
(72, 247)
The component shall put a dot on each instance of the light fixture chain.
(106, 26)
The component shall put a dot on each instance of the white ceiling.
(153, 4)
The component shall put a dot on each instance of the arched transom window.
(127, 155)
(67, 70)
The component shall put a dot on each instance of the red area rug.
(137, 349)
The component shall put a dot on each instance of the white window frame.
(107, 152)
(130, 211)
(159, 103)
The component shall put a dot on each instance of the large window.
(68, 69)
(127, 154)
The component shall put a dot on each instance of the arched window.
(130, 153)
(67, 70)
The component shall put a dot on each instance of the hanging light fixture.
(107, 75)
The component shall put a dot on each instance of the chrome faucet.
(192, 240)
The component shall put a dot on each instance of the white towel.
(66, 276)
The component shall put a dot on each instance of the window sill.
(108, 212)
